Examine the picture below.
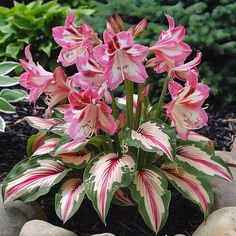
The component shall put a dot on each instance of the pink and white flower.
(122, 58)
(186, 70)
(170, 50)
(36, 79)
(88, 114)
(75, 41)
(185, 108)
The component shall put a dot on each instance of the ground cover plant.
(109, 148)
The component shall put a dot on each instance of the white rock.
(220, 223)
(221, 187)
(43, 228)
(14, 215)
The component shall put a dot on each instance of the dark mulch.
(184, 216)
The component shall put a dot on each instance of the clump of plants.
(9, 96)
(108, 148)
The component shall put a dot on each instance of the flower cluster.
(127, 147)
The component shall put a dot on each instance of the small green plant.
(8, 96)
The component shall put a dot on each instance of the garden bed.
(184, 216)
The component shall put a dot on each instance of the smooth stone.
(14, 215)
(225, 191)
(103, 234)
(220, 223)
(43, 228)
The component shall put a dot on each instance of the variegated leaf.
(34, 142)
(149, 190)
(47, 147)
(197, 159)
(121, 198)
(32, 178)
(70, 146)
(191, 186)
(76, 160)
(152, 137)
(103, 176)
(69, 198)
(40, 123)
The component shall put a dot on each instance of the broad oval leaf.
(149, 190)
(70, 146)
(32, 178)
(39, 123)
(7, 66)
(47, 147)
(6, 106)
(6, 81)
(192, 187)
(103, 176)
(152, 137)
(194, 158)
(77, 160)
(69, 198)
(13, 95)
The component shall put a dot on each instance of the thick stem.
(109, 142)
(158, 111)
(129, 86)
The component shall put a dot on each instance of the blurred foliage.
(32, 23)
(211, 28)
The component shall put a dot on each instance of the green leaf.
(46, 48)
(2, 125)
(7, 66)
(13, 95)
(12, 50)
(6, 107)
(30, 143)
(6, 81)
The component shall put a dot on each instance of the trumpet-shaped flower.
(170, 50)
(36, 79)
(185, 108)
(183, 71)
(75, 41)
(88, 114)
(91, 74)
(122, 58)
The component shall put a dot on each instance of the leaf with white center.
(6, 106)
(153, 137)
(69, 198)
(6, 81)
(149, 190)
(7, 66)
(192, 187)
(2, 125)
(12, 95)
(77, 160)
(40, 123)
(103, 176)
(199, 161)
(47, 147)
(32, 178)
(67, 146)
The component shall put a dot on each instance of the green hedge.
(210, 28)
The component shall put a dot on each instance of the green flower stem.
(129, 86)
(109, 142)
(139, 106)
(158, 111)
(117, 143)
